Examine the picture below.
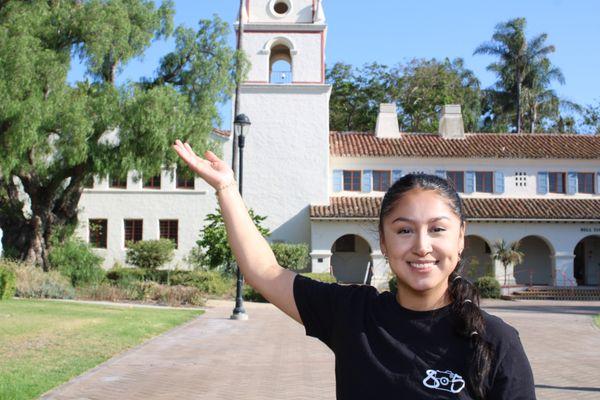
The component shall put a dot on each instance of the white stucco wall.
(260, 11)
(306, 52)
(286, 157)
(189, 207)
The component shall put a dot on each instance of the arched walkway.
(351, 258)
(586, 268)
(477, 259)
(537, 267)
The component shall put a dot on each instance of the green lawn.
(45, 343)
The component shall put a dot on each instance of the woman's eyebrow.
(403, 219)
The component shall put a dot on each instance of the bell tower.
(286, 154)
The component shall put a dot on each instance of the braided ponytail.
(465, 305)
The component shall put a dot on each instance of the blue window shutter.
(542, 182)
(367, 177)
(396, 174)
(498, 182)
(571, 182)
(598, 182)
(441, 173)
(469, 181)
(337, 180)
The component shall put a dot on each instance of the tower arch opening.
(280, 64)
(537, 267)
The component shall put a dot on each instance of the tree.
(213, 251)
(507, 254)
(54, 136)
(419, 88)
(424, 86)
(356, 95)
(522, 63)
(591, 118)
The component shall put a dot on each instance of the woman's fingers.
(210, 156)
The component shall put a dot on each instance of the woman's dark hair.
(463, 294)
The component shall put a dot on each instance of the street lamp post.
(241, 125)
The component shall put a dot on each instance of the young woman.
(430, 340)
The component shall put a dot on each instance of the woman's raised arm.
(252, 252)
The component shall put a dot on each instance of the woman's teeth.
(422, 265)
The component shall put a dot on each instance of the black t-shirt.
(383, 350)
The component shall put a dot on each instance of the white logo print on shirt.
(444, 380)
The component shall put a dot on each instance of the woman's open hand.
(212, 169)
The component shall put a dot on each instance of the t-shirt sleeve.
(317, 304)
(514, 378)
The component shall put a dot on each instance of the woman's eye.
(403, 231)
(438, 229)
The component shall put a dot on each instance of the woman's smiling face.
(422, 238)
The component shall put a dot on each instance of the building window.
(97, 233)
(169, 229)
(456, 179)
(484, 181)
(345, 244)
(520, 179)
(585, 182)
(556, 182)
(116, 182)
(381, 180)
(184, 182)
(133, 230)
(152, 182)
(352, 180)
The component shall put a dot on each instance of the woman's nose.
(422, 244)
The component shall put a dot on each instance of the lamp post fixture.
(241, 125)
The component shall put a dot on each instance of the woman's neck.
(422, 301)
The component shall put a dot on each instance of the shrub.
(33, 282)
(7, 283)
(125, 276)
(322, 276)
(146, 291)
(209, 282)
(75, 260)
(488, 286)
(150, 254)
(213, 251)
(291, 256)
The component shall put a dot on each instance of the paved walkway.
(268, 357)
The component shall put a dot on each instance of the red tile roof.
(221, 132)
(493, 208)
(480, 145)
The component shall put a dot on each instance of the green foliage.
(76, 260)
(488, 286)
(146, 291)
(507, 254)
(208, 282)
(419, 88)
(150, 254)
(33, 282)
(55, 135)
(124, 276)
(7, 283)
(213, 251)
(294, 257)
(591, 118)
(522, 95)
(322, 277)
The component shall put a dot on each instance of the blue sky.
(391, 31)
